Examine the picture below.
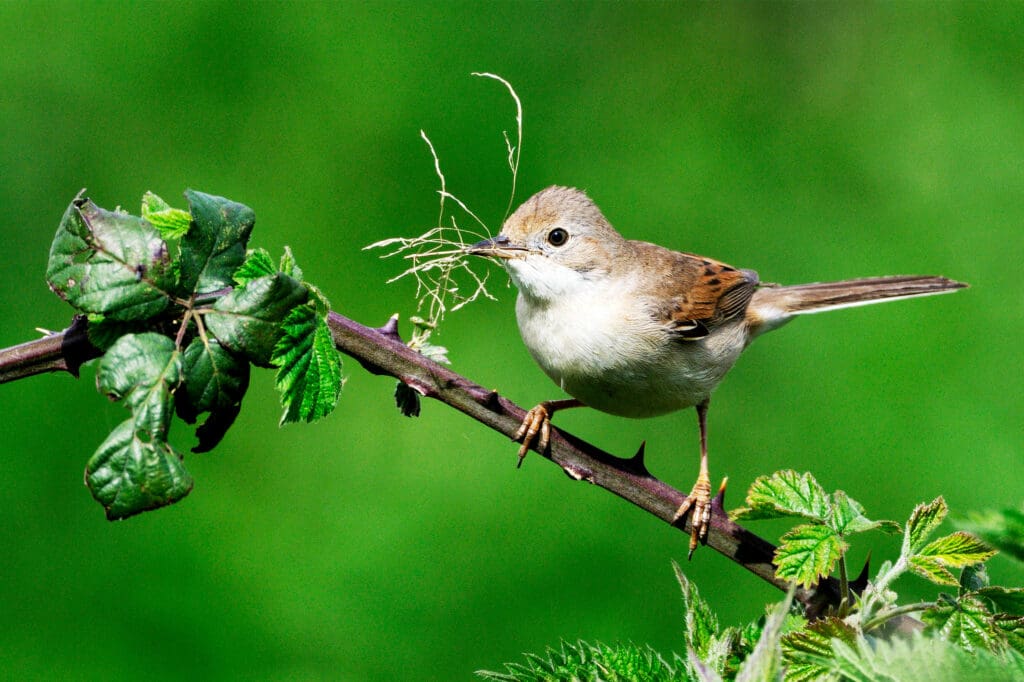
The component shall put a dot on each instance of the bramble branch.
(381, 351)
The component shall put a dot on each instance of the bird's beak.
(497, 247)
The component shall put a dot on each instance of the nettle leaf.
(701, 622)
(257, 264)
(109, 263)
(965, 621)
(309, 367)
(765, 661)
(785, 493)
(848, 517)
(215, 382)
(172, 223)
(808, 651)
(214, 247)
(958, 549)
(923, 521)
(247, 321)
(142, 370)
(132, 473)
(808, 552)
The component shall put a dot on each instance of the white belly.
(618, 360)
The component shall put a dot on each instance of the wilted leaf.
(109, 263)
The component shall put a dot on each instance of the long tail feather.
(774, 306)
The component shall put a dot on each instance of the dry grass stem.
(445, 281)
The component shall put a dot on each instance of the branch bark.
(381, 351)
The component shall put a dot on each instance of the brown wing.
(710, 293)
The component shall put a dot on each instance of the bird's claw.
(536, 422)
(698, 505)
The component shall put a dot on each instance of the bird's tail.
(773, 306)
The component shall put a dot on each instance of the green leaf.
(785, 493)
(807, 553)
(257, 264)
(142, 370)
(132, 473)
(808, 651)
(958, 549)
(1003, 529)
(1008, 599)
(932, 569)
(583, 661)
(309, 368)
(288, 265)
(214, 247)
(765, 662)
(848, 517)
(1012, 630)
(172, 223)
(923, 521)
(701, 625)
(965, 621)
(248, 320)
(215, 382)
(922, 659)
(109, 263)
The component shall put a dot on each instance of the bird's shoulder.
(691, 294)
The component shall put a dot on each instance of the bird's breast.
(608, 352)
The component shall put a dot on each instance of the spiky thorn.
(860, 583)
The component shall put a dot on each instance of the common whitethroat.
(637, 330)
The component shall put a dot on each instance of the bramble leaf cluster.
(975, 633)
(182, 309)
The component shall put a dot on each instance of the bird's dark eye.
(557, 237)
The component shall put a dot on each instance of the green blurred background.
(809, 142)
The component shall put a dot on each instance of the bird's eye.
(557, 237)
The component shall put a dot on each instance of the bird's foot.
(536, 422)
(699, 505)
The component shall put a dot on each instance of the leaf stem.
(887, 615)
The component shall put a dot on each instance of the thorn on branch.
(390, 328)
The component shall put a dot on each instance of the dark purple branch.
(381, 351)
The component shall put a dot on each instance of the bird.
(638, 330)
